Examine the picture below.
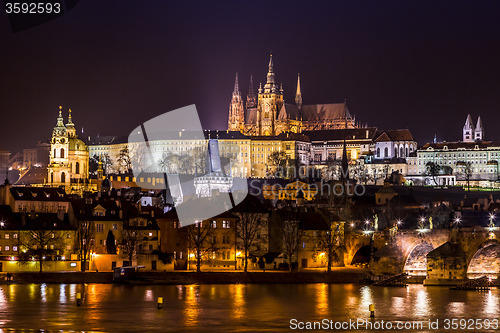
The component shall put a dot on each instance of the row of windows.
(7, 248)
(7, 236)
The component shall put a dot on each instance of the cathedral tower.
(479, 131)
(298, 94)
(236, 119)
(269, 103)
(251, 98)
(468, 130)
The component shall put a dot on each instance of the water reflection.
(366, 297)
(222, 308)
(148, 296)
(322, 300)
(237, 292)
(491, 303)
(43, 292)
(421, 303)
(456, 309)
(191, 310)
(397, 304)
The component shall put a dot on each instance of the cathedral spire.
(270, 86)
(271, 65)
(251, 99)
(298, 94)
(236, 110)
(468, 130)
(236, 86)
(479, 131)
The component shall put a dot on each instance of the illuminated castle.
(268, 114)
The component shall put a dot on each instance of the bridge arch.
(362, 255)
(415, 263)
(485, 261)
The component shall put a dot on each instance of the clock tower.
(69, 157)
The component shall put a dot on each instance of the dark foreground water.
(240, 308)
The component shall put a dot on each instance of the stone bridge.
(455, 253)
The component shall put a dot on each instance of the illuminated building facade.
(69, 158)
(269, 115)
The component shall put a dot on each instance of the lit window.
(7, 248)
(14, 248)
(68, 247)
(14, 236)
(7, 236)
(150, 234)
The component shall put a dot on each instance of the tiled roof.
(341, 134)
(460, 144)
(394, 135)
(105, 140)
(316, 112)
(38, 193)
(251, 116)
(33, 176)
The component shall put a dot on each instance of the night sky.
(421, 65)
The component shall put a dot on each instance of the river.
(237, 308)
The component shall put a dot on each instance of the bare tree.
(330, 242)
(198, 237)
(131, 240)
(467, 171)
(85, 235)
(41, 243)
(251, 218)
(292, 233)
(124, 161)
(280, 163)
(432, 169)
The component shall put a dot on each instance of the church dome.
(76, 144)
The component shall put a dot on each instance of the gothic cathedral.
(269, 115)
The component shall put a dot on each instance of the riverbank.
(227, 277)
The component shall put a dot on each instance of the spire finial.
(70, 121)
(251, 100)
(236, 86)
(60, 120)
(298, 94)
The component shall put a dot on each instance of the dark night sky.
(417, 64)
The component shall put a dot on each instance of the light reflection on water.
(227, 308)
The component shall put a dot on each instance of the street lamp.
(492, 217)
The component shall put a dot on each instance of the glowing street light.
(399, 222)
(367, 221)
(492, 218)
